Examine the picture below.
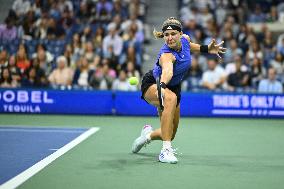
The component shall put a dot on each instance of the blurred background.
(96, 45)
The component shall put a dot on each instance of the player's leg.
(144, 137)
(167, 120)
(176, 121)
(147, 134)
(167, 116)
(157, 134)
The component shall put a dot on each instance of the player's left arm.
(212, 48)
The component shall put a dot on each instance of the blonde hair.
(169, 21)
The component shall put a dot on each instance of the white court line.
(25, 175)
(43, 130)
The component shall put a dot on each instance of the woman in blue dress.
(172, 64)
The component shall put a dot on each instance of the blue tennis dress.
(181, 65)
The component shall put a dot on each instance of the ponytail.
(158, 34)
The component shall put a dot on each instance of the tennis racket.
(160, 95)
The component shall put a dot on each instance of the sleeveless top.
(180, 66)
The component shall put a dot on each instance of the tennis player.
(172, 64)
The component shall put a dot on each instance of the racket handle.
(160, 95)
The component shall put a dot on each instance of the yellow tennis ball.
(133, 81)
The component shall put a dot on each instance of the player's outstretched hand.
(214, 48)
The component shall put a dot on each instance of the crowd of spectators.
(78, 44)
(98, 44)
(254, 59)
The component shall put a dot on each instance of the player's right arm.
(166, 61)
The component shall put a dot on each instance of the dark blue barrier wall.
(129, 103)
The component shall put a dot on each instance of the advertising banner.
(232, 105)
(55, 101)
(130, 103)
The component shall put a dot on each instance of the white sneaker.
(142, 140)
(167, 156)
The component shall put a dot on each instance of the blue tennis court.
(23, 147)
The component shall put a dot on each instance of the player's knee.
(171, 98)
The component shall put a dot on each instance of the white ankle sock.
(167, 144)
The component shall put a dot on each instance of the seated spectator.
(77, 48)
(231, 67)
(22, 61)
(278, 64)
(6, 79)
(82, 73)
(103, 77)
(21, 7)
(280, 44)
(3, 59)
(232, 51)
(83, 14)
(257, 16)
(268, 47)
(239, 80)
(119, 9)
(71, 57)
(15, 72)
(214, 77)
(54, 30)
(257, 72)
(133, 19)
(121, 83)
(131, 71)
(87, 34)
(89, 52)
(62, 75)
(270, 85)
(44, 57)
(98, 40)
(103, 11)
(254, 50)
(8, 31)
(29, 26)
(35, 76)
(137, 7)
(66, 20)
(41, 27)
(272, 16)
(31, 80)
(112, 44)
